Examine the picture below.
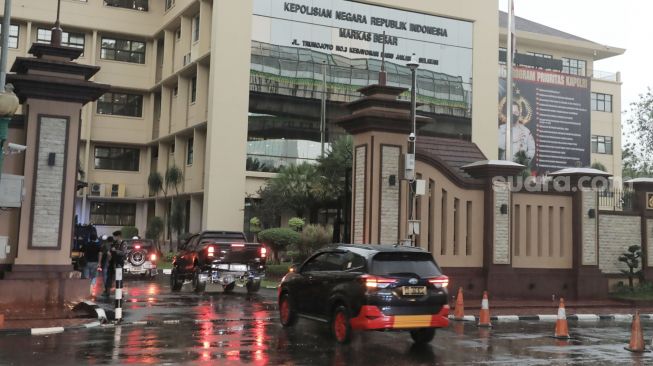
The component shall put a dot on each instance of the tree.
(599, 166)
(129, 232)
(157, 183)
(154, 230)
(631, 259)
(522, 158)
(278, 239)
(296, 223)
(638, 153)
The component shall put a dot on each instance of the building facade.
(229, 91)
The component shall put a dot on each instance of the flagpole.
(509, 63)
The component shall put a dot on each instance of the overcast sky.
(618, 23)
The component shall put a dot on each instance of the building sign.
(649, 201)
(551, 119)
(355, 31)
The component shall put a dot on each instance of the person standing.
(110, 268)
(92, 254)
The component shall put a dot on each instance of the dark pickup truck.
(219, 257)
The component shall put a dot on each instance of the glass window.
(169, 4)
(601, 102)
(193, 89)
(404, 264)
(602, 144)
(353, 262)
(113, 213)
(13, 36)
(189, 151)
(117, 158)
(573, 66)
(68, 39)
(140, 5)
(123, 50)
(120, 104)
(178, 33)
(318, 263)
(196, 28)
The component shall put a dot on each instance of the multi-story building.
(228, 91)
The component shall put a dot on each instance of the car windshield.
(404, 264)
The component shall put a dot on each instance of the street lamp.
(412, 141)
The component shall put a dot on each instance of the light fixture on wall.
(591, 213)
(503, 209)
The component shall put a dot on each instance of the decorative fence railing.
(616, 199)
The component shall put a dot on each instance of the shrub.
(278, 239)
(313, 238)
(129, 232)
(277, 270)
(296, 223)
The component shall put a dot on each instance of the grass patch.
(642, 292)
(267, 283)
(164, 265)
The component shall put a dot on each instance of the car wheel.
(175, 283)
(229, 287)
(422, 336)
(340, 325)
(253, 286)
(198, 286)
(287, 314)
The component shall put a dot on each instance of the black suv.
(219, 257)
(368, 287)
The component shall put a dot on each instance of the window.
(189, 151)
(120, 104)
(601, 102)
(123, 50)
(196, 28)
(573, 67)
(537, 54)
(68, 39)
(117, 158)
(178, 33)
(13, 36)
(503, 51)
(113, 213)
(140, 5)
(170, 4)
(175, 91)
(602, 144)
(193, 89)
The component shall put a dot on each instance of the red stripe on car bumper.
(371, 317)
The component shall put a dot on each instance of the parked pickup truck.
(219, 257)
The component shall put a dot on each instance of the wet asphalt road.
(245, 330)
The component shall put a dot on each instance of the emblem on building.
(649, 201)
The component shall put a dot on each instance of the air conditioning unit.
(117, 190)
(187, 59)
(96, 189)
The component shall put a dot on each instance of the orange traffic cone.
(484, 316)
(562, 330)
(636, 336)
(459, 312)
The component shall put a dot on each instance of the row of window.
(113, 213)
(116, 49)
(128, 159)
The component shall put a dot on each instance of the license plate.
(413, 290)
(238, 267)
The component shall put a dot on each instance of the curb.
(48, 331)
(553, 318)
(99, 312)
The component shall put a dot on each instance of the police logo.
(413, 281)
(649, 201)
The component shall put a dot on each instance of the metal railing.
(616, 199)
(605, 75)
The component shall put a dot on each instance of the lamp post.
(412, 142)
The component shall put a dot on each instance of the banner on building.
(551, 119)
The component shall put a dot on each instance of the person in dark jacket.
(92, 255)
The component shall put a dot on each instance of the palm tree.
(173, 178)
